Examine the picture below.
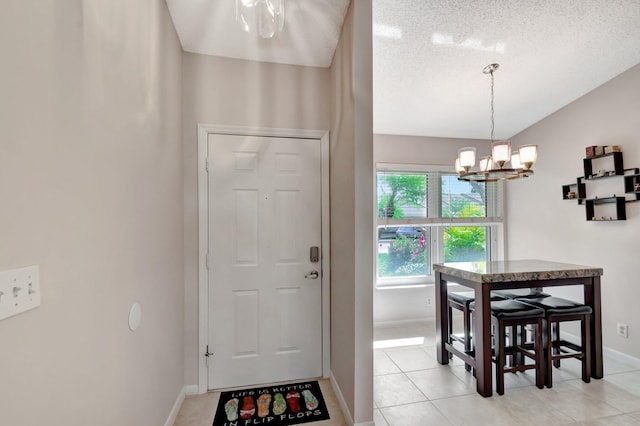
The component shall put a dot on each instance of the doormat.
(281, 405)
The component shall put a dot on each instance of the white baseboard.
(611, 353)
(343, 405)
(191, 390)
(176, 408)
(622, 357)
(405, 322)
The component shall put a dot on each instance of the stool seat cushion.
(524, 293)
(512, 309)
(462, 297)
(466, 297)
(558, 306)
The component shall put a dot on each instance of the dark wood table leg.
(482, 339)
(442, 319)
(592, 298)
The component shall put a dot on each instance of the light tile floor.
(412, 389)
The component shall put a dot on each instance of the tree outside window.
(399, 193)
(407, 246)
(464, 200)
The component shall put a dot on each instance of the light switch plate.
(19, 290)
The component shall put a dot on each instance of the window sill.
(384, 287)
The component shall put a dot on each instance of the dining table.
(484, 277)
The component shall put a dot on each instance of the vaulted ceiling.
(428, 55)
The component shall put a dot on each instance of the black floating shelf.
(591, 203)
(578, 187)
(606, 175)
(630, 194)
(603, 200)
(618, 165)
(630, 182)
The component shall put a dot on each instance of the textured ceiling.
(428, 58)
(428, 55)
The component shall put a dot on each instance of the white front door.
(265, 304)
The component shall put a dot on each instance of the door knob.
(313, 275)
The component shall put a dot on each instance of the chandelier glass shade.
(266, 17)
(492, 168)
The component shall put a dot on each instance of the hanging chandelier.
(264, 16)
(492, 167)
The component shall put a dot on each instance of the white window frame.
(494, 221)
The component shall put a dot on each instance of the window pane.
(402, 195)
(462, 199)
(465, 244)
(403, 251)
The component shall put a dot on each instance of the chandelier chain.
(492, 111)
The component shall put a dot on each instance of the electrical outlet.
(623, 330)
(19, 290)
(429, 301)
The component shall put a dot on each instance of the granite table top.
(516, 270)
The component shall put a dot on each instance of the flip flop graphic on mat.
(309, 400)
(264, 401)
(231, 409)
(293, 399)
(248, 408)
(279, 404)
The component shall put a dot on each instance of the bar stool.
(461, 302)
(513, 314)
(559, 310)
(520, 293)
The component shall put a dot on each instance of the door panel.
(265, 317)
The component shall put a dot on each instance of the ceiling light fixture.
(491, 168)
(265, 15)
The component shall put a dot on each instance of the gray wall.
(542, 225)
(91, 190)
(235, 92)
(351, 184)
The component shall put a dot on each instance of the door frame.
(204, 130)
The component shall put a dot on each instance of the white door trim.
(203, 288)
